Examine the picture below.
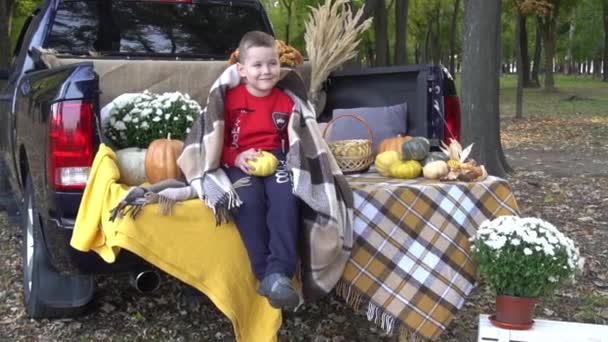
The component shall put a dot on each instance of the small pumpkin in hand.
(384, 161)
(406, 169)
(264, 165)
(161, 160)
(393, 144)
(416, 149)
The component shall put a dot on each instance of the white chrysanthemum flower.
(527, 251)
(156, 119)
(120, 126)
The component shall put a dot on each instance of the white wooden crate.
(543, 331)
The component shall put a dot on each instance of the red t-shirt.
(254, 122)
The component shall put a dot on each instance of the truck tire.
(46, 292)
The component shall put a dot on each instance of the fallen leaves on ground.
(559, 177)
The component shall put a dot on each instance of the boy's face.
(261, 69)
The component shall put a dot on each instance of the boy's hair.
(255, 39)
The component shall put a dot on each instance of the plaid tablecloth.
(410, 263)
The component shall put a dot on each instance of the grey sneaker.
(279, 291)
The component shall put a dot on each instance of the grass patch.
(574, 95)
(590, 308)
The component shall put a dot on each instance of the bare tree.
(480, 80)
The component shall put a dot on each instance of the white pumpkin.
(131, 165)
(435, 169)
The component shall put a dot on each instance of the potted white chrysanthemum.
(146, 117)
(135, 120)
(522, 259)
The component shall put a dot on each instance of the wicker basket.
(352, 155)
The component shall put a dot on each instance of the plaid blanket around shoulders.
(326, 219)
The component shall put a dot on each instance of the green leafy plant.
(524, 257)
(138, 119)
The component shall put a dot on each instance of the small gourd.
(393, 144)
(264, 165)
(416, 149)
(435, 169)
(406, 169)
(161, 160)
(384, 161)
(434, 156)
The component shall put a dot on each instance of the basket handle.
(354, 116)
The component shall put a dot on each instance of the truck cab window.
(152, 28)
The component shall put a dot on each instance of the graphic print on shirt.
(280, 120)
(235, 134)
(236, 129)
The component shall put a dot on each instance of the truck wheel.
(46, 292)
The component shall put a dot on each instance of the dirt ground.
(561, 175)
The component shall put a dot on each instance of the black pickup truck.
(74, 57)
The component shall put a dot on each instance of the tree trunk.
(381, 34)
(401, 9)
(568, 62)
(548, 29)
(6, 10)
(521, 69)
(437, 38)
(605, 77)
(480, 84)
(452, 59)
(287, 4)
(597, 67)
(538, 46)
(427, 41)
(523, 48)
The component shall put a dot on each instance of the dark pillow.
(385, 122)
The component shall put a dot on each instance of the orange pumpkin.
(161, 160)
(393, 144)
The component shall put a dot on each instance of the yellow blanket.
(186, 244)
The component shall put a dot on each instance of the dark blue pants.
(268, 220)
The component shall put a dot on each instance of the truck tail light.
(70, 148)
(452, 118)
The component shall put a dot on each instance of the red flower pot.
(514, 312)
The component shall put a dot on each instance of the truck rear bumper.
(66, 259)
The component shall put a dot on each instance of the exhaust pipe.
(146, 282)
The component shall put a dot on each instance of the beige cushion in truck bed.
(120, 76)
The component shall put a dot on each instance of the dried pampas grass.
(332, 36)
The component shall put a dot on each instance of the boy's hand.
(243, 157)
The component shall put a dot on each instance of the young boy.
(256, 115)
